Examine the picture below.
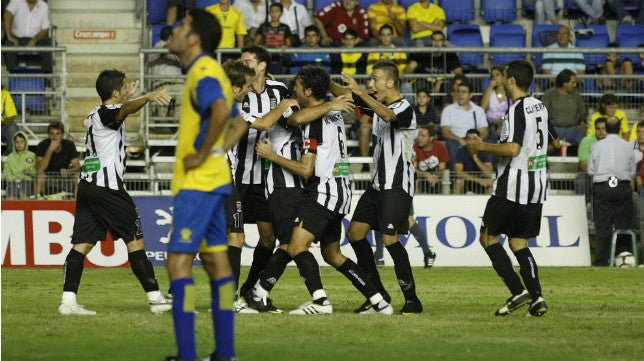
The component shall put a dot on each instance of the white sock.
(375, 299)
(69, 298)
(317, 294)
(154, 296)
(259, 291)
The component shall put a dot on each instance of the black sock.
(309, 270)
(403, 270)
(73, 270)
(260, 259)
(367, 262)
(234, 257)
(503, 267)
(358, 278)
(529, 272)
(274, 269)
(143, 270)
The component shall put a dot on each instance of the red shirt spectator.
(333, 20)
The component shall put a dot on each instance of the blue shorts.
(199, 222)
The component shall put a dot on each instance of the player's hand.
(350, 83)
(343, 103)
(473, 145)
(160, 97)
(192, 161)
(290, 103)
(264, 149)
(130, 89)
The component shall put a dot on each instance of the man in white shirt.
(255, 14)
(296, 16)
(26, 23)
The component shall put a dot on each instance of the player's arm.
(219, 114)
(236, 131)
(310, 114)
(383, 112)
(303, 168)
(509, 149)
(267, 121)
(160, 97)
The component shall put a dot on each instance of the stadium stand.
(157, 11)
(458, 11)
(320, 4)
(510, 36)
(598, 39)
(542, 36)
(499, 10)
(467, 35)
(630, 36)
(205, 3)
(528, 10)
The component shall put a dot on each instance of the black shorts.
(99, 210)
(283, 205)
(515, 220)
(385, 211)
(234, 212)
(324, 224)
(254, 202)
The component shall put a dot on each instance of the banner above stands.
(38, 233)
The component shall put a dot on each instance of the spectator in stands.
(19, 169)
(594, 10)
(544, 10)
(350, 62)
(385, 12)
(424, 109)
(255, 14)
(57, 161)
(399, 58)
(609, 109)
(337, 17)
(273, 34)
(623, 16)
(177, 9)
(26, 23)
(460, 117)
(439, 63)
(311, 41)
(473, 172)
(582, 180)
(638, 145)
(233, 31)
(9, 126)
(169, 65)
(566, 109)
(448, 98)
(495, 102)
(430, 160)
(612, 165)
(424, 18)
(554, 63)
(612, 66)
(296, 16)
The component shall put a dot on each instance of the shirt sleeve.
(108, 117)
(207, 92)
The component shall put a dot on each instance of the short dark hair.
(108, 81)
(207, 27)
(56, 124)
(237, 72)
(613, 127)
(312, 28)
(277, 5)
(605, 100)
(350, 32)
(522, 72)
(600, 120)
(438, 32)
(473, 131)
(640, 124)
(316, 78)
(390, 68)
(430, 128)
(386, 26)
(19, 134)
(166, 31)
(467, 84)
(423, 90)
(263, 56)
(563, 77)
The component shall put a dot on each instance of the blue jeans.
(593, 8)
(543, 10)
(572, 135)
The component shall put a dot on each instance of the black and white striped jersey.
(249, 166)
(329, 183)
(287, 142)
(522, 179)
(105, 143)
(394, 149)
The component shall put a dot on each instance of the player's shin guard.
(223, 293)
(529, 272)
(143, 270)
(183, 314)
(260, 259)
(234, 258)
(73, 270)
(503, 267)
(358, 278)
(309, 270)
(274, 269)
(367, 262)
(402, 267)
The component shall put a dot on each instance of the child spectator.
(19, 169)
(274, 34)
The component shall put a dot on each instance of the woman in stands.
(495, 102)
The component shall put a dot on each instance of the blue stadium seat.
(33, 102)
(571, 11)
(599, 39)
(202, 4)
(157, 11)
(320, 4)
(542, 36)
(510, 36)
(466, 35)
(499, 10)
(406, 3)
(630, 36)
(156, 33)
(528, 10)
(461, 11)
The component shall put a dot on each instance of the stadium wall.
(38, 233)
